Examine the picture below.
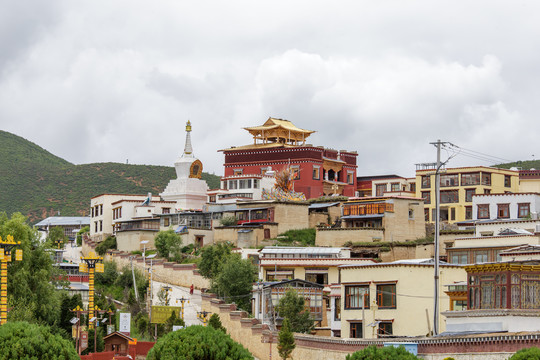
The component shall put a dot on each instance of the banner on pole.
(160, 314)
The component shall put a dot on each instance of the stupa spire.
(188, 149)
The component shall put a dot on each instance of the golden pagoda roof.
(279, 129)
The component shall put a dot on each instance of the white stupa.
(188, 190)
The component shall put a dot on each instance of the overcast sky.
(106, 81)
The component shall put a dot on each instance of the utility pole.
(134, 282)
(437, 144)
(6, 246)
(182, 300)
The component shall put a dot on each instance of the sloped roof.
(273, 123)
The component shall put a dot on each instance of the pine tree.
(286, 340)
(215, 322)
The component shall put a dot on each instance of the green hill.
(522, 165)
(39, 184)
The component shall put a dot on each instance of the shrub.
(21, 340)
(228, 221)
(387, 352)
(532, 353)
(198, 343)
(109, 243)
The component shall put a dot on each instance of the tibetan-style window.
(483, 211)
(450, 180)
(386, 296)
(354, 295)
(503, 211)
(524, 210)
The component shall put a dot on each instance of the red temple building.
(278, 144)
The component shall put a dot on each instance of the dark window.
(470, 179)
(317, 278)
(413, 187)
(486, 179)
(468, 194)
(353, 296)
(426, 181)
(426, 214)
(394, 187)
(487, 191)
(483, 211)
(524, 210)
(356, 330)
(507, 181)
(450, 180)
(426, 195)
(449, 196)
(386, 296)
(337, 308)
(452, 214)
(503, 211)
(380, 189)
(468, 212)
(385, 328)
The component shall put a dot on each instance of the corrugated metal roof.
(300, 250)
(65, 220)
(322, 205)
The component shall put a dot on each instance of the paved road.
(177, 292)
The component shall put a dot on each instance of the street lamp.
(6, 246)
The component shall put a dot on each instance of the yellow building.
(397, 296)
(457, 187)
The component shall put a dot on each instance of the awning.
(181, 229)
(322, 205)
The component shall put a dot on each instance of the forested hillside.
(39, 184)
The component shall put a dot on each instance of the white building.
(108, 210)
(188, 190)
(241, 187)
(505, 206)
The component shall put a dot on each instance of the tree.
(286, 340)
(228, 220)
(387, 352)
(198, 343)
(168, 244)
(84, 230)
(235, 281)
(212, 259)
(32, 282)
(108, 243)
(22, 340)
(532, 353)
(215, 322)
(173, 320)
(291, 306)
(56, 237)
(68, 303)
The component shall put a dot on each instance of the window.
(412, 187)
(458, 257)
(394, 187)
(487, 191)
(232, 184)
(380, 189)
(100, 225)
(337, 309)
(92, 211)
(244, 184)
(411, 214)
(321, 278)
(524, 210)
(452, 214)
(470, 179)
(426, 195)
(468, 212)
(426, 181)
(101, 209)
(354, 295)
(468, 194)
(426, 214)
(486, 179)
(238, 172)
(503, 211)
(166, 210)
(350, 177)
(507, 181)
(450, 180)
(483, 211)
(255, 183)
(356, 330)
(95, 226)
(166, 222)
(480, 256)
(316, 172)
(385, 328)
(449, 196)
(386, 296)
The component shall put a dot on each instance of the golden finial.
(188, 126)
